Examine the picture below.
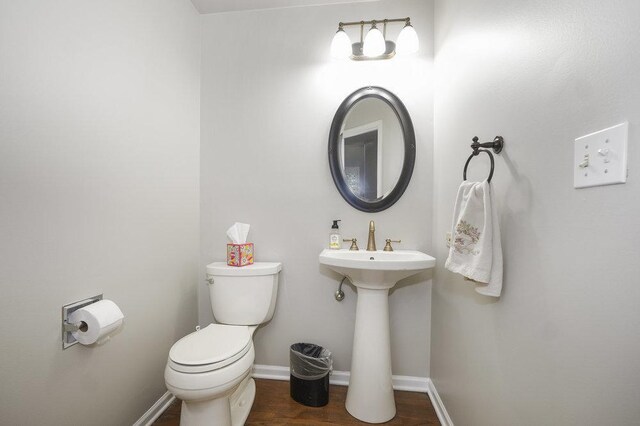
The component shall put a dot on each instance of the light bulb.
(340, 45)
(407, 41)
(374, 44)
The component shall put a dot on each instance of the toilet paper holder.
(68, 328)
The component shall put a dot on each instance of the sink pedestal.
(370, 394)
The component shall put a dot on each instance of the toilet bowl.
(210, 365)
(210, 369)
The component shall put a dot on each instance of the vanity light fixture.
(375, 45)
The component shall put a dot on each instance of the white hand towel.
(476, 251)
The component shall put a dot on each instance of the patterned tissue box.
(239, 254)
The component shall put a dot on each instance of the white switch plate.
(600, 158)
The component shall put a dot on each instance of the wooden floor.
(274, 406)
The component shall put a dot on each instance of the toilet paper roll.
(101, 318)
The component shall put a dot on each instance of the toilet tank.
(243, 295)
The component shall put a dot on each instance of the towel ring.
(464, 173)
(496, 145)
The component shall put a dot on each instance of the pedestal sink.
(370, 394)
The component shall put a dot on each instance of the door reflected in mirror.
(371, 149)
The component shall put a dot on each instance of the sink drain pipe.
(339, 293)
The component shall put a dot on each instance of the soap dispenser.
(334, 236)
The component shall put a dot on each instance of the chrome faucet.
(371, 243)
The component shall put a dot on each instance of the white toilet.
(210, 369)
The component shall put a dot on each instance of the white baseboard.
(441, 411)
(156, 410)
(270, 372)
(341, 378)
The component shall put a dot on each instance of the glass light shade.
(374, 44)
(407, 41)
(341, 45)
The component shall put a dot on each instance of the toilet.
(210, 369)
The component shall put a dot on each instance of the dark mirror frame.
(409, 148)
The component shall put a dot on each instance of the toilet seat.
(211, 348)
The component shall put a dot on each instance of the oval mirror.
(372, 149)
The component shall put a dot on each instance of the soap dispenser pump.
(334, 236)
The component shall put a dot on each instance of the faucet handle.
(387, 247)
(354, 243)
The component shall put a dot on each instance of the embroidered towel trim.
(476, 251)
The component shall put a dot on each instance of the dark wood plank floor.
(273, 406)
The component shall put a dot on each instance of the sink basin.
(376, 269)
(370, 394)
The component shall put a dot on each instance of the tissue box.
(239, 254)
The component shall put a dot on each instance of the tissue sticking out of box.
(238, 232)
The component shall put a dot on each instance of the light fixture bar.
(347, 24)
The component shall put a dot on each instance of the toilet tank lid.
(258, 268)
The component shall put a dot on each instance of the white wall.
(269, 93)
(561, 346)
(99, 146)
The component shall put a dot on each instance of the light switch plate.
(600, 158)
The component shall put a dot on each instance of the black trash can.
(309, 374)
